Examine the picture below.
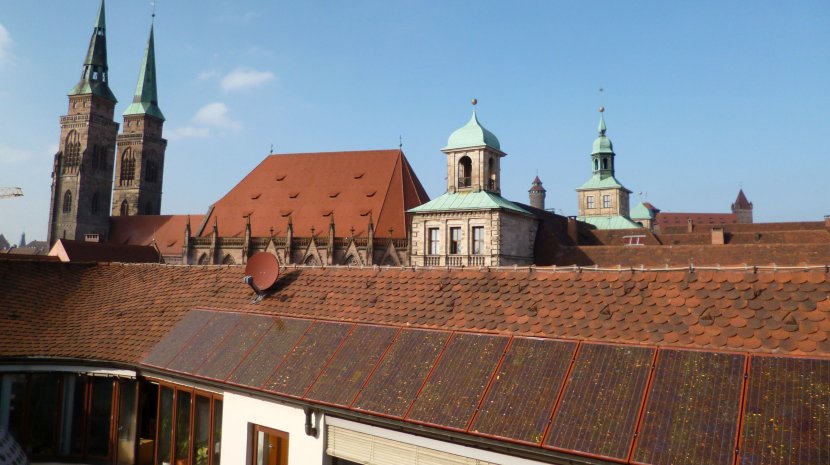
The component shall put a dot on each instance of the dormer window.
(465, 172)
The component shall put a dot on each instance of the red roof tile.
(308, 187)
(674, 219)
(82, 251)
(741, 202)
(165, 231)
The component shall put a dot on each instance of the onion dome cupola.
(602, 154)
(95, 76)
(145, 101)
(473, 158)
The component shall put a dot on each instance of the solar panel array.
(627, 403)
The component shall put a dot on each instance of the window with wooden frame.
(189, 426)
(455, 241)
(268, 446)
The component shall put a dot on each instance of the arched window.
(228, 260)
(71, 152)
(311, 260)
(127, 167)
(605, 163)
(352, 260)
(465, 171)
(151, 169)
(596, 164)
(203, 260)
(67, 202)
(93, 206)
(125, 209)
(491, 168)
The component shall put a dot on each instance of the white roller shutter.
(373, 450)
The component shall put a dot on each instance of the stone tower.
(742, 208)
(603, 201)
(473, 159)
(139, 163)
(82, 170)
(537, 194)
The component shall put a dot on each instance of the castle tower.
(139, 163)
(82, 170)
(603, 201)
(537, 194)
(742, 208)
(473, 159)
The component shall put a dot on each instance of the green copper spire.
(602, 144)
(95, 77)
(145, 101)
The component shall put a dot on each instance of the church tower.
(473, 159)
(603, 201)
(139, 161)
(82, 170)
(742, 208)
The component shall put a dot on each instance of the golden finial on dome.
(601, 109)
(475, 101)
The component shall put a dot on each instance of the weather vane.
(153, 14)
(601, 106)
(400, 142)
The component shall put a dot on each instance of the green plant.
(202, 455)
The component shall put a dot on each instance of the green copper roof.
(94, 79)
(640, 212)
(145, 101)
(609, 222)
(602, 144)
(472, 134)
(599, 182)
(481, 200)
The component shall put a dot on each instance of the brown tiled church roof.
(165, 231)
(309, 187)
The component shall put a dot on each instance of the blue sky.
(702, 97)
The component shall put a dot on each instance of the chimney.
(827, 221)
(573, 229)
(690, 225)
(717, 236)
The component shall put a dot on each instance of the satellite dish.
(261, 272)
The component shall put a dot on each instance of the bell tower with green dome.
(473, 158)
(472, 224)
(140, 155)
(603, 201)
(82, 170)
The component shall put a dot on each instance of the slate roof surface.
(118, 312)
(309, 187)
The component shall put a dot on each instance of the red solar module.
(524, 390)
(395, 383)
(176, 339)
(452, 393)
(342, 378)
(603, 395)
(304, 363)
(787, 412)
(194, 354)
(226, 357)
(271, 350)
(692, 412)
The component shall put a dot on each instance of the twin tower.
(91, 149)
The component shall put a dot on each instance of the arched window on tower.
(93, 206)
(151, 168)
(596, 164)
(465, 172)
(125, 208)
(491, 168)
(127, 167)
(605, 163)
(72, 152)
(67, 202)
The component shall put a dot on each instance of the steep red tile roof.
(119, 312)
(165, 231)
(741, 202)
(82, 251)
(309, 187)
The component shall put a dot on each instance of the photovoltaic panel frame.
(603, 396)
(520, 400)
(303, 364)
(342, 378)
(450, 396)
(201, 346)
(179, 335)
(692, 412)
(394, 385)
(271, 350)
(236, 345)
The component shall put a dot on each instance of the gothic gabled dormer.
(140, 156)
(473, 158)
(82, 175)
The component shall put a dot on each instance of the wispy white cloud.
(216, 115)
(244, 78)
(5, 44)
(10, 155)
(208, 74)
(188, 132)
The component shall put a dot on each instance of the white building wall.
(239, 411)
